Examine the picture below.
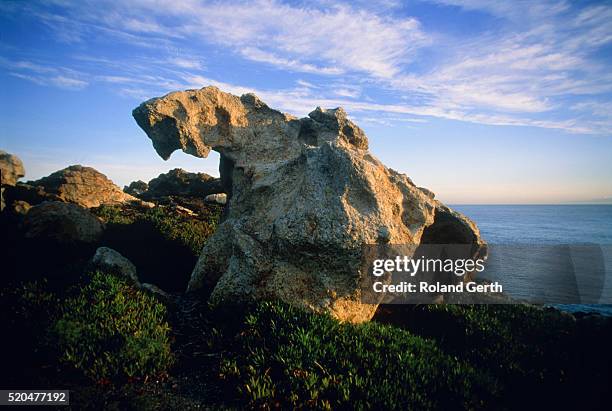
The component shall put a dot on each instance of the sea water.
(535, 230)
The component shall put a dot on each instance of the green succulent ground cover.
(120, 348)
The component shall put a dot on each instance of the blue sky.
(480, 101)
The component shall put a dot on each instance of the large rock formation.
(304, 198)
(180, 188)
(84, 186)
(179, 182)
(11, 170)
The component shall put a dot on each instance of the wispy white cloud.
(306, 84)
(290, 37)
(541, 55)
(186, 63)
(301, 38)
(515, 9)
(67, 82)
(27, 65)
(300, 102)
(600, 109)
(344, 90)
(258, 55)
(45, 75)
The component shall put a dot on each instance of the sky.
(481, 101)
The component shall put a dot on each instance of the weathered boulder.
(63, 223)
(108, 260)
(178, 182)
(84, 186)
(306, 197)
(11, 170)
(136, 188)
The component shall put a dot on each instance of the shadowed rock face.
(64, 223)
(136, 188)
(304, 197)
(179, 182)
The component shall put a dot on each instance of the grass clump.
(110, 330)
(285, 357)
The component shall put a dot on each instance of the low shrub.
(283, 356)
(111, 330)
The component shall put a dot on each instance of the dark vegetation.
(164, 244)
(118, 347)
(109, 330)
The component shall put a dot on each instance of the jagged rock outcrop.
(188, 191)
(305, 197)
(178, 182)
(136, 188)
(11, 170)
(63, 223)
(84, 186)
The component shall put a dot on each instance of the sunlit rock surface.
(304, 197)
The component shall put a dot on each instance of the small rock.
(182, 210)
(146, 204)
(108, 260)
(220, 198)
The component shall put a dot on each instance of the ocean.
(560, 255)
